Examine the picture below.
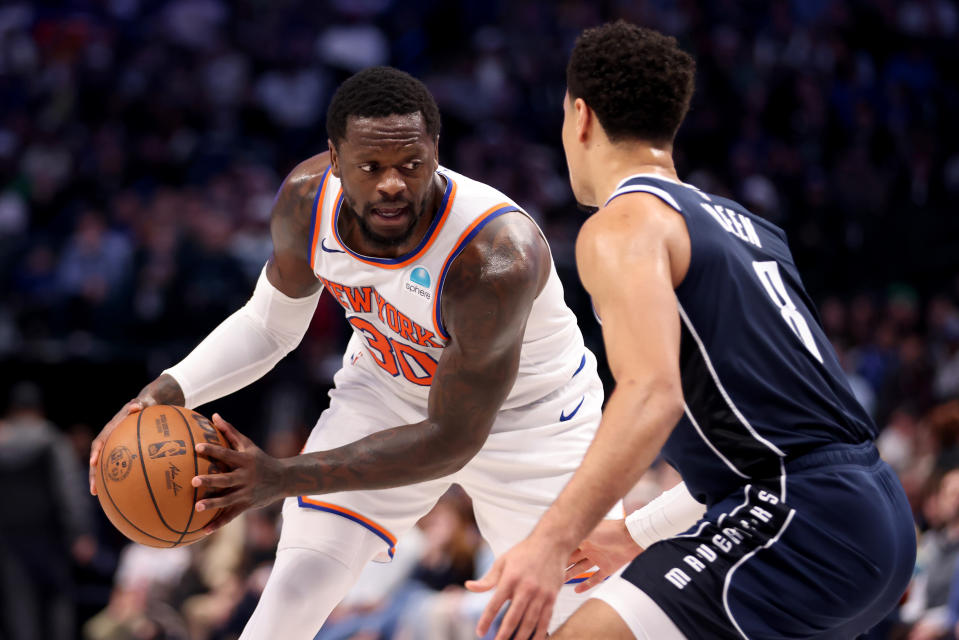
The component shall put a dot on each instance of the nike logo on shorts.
(562, 415)
(323, 246)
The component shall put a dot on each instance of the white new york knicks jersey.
(394, 304)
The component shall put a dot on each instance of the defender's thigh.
(619, 611)
(827, 563)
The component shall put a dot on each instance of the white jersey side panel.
(394, 305)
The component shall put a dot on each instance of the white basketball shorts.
(529, 457)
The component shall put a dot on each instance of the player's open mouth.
(390, 214)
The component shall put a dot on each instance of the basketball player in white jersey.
(465, 365)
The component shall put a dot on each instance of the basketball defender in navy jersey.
(720, 364)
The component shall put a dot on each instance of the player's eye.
(413, 165)
(367, 167)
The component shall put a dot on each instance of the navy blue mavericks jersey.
(761, 383)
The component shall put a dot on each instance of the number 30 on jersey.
(395, 357)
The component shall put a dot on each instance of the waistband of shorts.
(864, 454)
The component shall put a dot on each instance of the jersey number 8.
(768, 273)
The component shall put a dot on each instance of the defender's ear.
(584, 119)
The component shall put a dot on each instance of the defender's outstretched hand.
(255, 479)
(608, 547)
(530, 576)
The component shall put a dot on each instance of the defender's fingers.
(544, 619)
(500, 596)
(487, 582)
(593, 581)
(530, 624)
(513, 618)
(577, 555)
(577, 569)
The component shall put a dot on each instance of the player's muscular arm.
(289, 268)
(630, 259)
(288, 271)
(487, 299)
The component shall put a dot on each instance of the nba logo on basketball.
(166, 448)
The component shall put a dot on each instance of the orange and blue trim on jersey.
(583, 577)
(317, 204)
(388, 538)
(446, 205)
(485, 218)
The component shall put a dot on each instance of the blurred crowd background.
(141, 143)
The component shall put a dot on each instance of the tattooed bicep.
(491, 286)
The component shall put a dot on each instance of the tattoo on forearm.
(487, 296)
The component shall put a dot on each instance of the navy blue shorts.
(828, 561)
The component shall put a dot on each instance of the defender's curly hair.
(638, 81)
(378, 92)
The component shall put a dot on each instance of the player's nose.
(391, 185)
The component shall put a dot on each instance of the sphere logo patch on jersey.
(419, 283)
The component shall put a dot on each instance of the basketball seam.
(196, 472)
(118, 510)
(146, 479)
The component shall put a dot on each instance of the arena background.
(141, 143)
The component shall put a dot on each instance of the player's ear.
(584, 118)
(436, 153)
(334, 159)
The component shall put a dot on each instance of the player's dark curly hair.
(638, 81)
(378, 92)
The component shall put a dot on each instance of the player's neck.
(619, 162)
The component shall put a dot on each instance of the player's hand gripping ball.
(144, 473)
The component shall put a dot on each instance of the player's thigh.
(521, 470)
(358, 408)
(619, 611)
(528, 460)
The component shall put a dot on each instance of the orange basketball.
(144, 474)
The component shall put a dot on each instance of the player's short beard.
(388, 242)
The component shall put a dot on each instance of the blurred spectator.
(139, 608)
(44, 524)
(926, 608)
(94, 263)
